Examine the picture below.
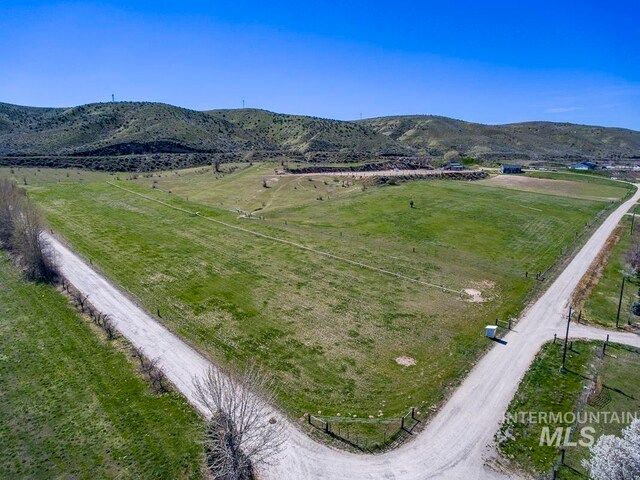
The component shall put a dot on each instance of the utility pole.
(113, 98)
(243, 103)
(566, 340)
(633, 220)
(620, 301)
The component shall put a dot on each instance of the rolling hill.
(530, 140)
(103, 130)
(117, 128)
(312, 134)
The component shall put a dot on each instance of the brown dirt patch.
(406, 361)
(590, 279)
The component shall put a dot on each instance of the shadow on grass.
(576, 472)
(617, 390)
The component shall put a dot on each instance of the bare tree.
(158, 379)
(138, 352)
(21, 233)
(243, 434)
(633, 258)
(80, 299)
(109, 327)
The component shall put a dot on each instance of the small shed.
(511, 169)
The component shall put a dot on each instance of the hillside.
(138, 128)
(117, 128)
(531, 140)
(311, 134)
(104, 131)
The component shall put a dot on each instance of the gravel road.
(457, 444)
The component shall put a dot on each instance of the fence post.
(402, 423)
(566, 339)
(620, 301)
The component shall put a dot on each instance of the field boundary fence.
(393, 431)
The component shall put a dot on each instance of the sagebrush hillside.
(312, 134)
(117, 128)
(128, 128)
(530, 140)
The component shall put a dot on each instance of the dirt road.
(458, 440)
(418, 172)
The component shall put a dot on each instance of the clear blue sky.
(490, 62)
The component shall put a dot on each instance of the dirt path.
(418, 172)
(457, 442)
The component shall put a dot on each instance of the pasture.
(73, 405)
(546, 389)
(601, 306)
(334, 334)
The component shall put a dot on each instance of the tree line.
(21, 228)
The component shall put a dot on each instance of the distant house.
(511, 168)
(584, 166)
(453, 166)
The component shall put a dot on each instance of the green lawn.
(330, 331)
(546, 389)
(601, 306)
(73, 406)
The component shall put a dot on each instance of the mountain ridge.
(137, 128)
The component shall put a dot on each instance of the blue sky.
(490, 62)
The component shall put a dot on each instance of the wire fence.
(367, 434)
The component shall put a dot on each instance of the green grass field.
(73, 405)
(565, 184)
(620, 377)
(240, 186)
(546, 389)
(330, 331)
(602, 305)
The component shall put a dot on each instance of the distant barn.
(511, 168)
(584, 166)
